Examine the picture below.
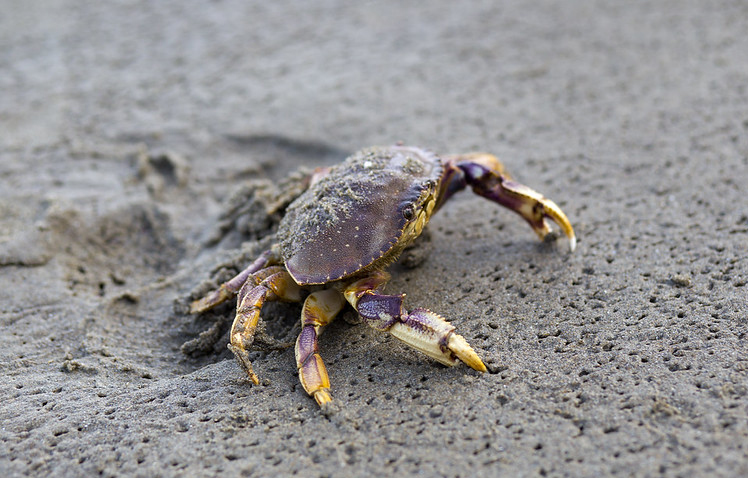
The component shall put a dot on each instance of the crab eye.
(409, 212)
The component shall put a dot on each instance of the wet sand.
(140, 142)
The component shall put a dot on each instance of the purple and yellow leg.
(271, 283)
(487, 177)
(320, 308)
(421, 328)
(231, 287)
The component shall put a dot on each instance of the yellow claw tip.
(476, 364)
(555, 214)
(459, 346)
(480, 366)
(322, 397)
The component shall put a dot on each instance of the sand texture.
(147, 152)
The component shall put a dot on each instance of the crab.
(336, 239)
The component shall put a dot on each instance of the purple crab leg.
(422, 329)
(230, 288)
(320, 308)
(486, 175)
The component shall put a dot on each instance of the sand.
(140, 142)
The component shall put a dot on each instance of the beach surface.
(140, 142)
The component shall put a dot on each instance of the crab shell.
(361, 215)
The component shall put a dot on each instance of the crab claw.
(486, 175)
(459, 346)
(429, 333)
(536, 209)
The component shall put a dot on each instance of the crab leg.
(486, 175)
(272, 283)
(320, 308)
(229, 288)
(421, 328)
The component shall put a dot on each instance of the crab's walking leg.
(229, 288)
(320, 308)
(272, 283)
(422, 329)
(486, 175)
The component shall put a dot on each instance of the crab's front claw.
(429, 333)
(536, 209)
(486, 175)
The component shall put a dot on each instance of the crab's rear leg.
(486, 175)
(230, 288)
(320, 308)
(272, 283)
(422, 329)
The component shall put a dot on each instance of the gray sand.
(136, 144)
